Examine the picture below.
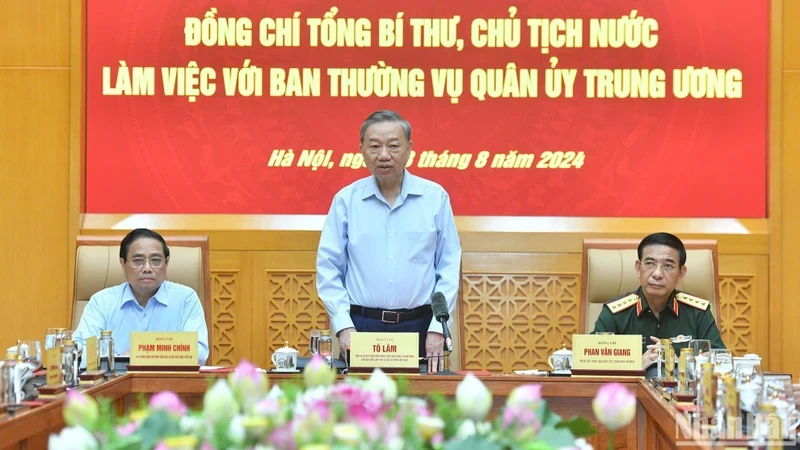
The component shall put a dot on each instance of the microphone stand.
(446, 350)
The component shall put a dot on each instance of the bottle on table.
(69, 362)
(9, 380)
(326, 347)
(106, 352)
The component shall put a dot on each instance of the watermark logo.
(734, 431)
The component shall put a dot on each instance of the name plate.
(607, 352)
(52, 360)
(90, 353)
(164, 348)
(384, 350)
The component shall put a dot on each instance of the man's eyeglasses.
(155, 262)
(666, 267)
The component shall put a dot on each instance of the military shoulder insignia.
(691, 300)
(623, 303)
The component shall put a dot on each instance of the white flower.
(73, 438)
(190, 424)
(473, 398)
(276, 393)
(583, 445)
(381, 383)
(429, 426)
(396, 444)
(219, 403)
(236, 431)
(466, 430)
(347, 434)
(484, 428)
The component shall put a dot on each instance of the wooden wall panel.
(514, 322)
(231, 299)
(35, 33)
(790, 223)
(222, 330)
(744, 302)
(517, 308)
(791, 35)
(34, 161)
(293, 310)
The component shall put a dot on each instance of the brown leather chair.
(609, 271)
(97, 267)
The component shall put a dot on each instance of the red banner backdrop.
(677, 130)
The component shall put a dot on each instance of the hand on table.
(652, 352)
(434, 347)
(344, 341)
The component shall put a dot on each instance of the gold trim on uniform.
(623, 303)
(691, 300)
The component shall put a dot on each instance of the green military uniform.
(684, 314)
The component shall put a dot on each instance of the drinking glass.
(50, 338)
(749, 381)
(31, 353)
(313, 342)
(701, 349)
(723, 361)
(778, 391)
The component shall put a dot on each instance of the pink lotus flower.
(315, 425)
(528, 396)
(282, 438)
(412, 405)
(614, 406)
(219, 403)
(271, 409)
(392, 431)
(317, 373)
(521, 422)
(381, 383)
(360, 404)
(127, 429)
(80, 409)
(247, 383)
(168, 401)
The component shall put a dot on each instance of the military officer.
(656, 309)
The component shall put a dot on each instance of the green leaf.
(471, 443)
(402, 386)
(578, 426)
(448, 412)
(556, 437)
(291, 389)
(219, 437)
(538, 445)
(157, 425)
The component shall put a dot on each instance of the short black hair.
(135, 235)
(670, 240)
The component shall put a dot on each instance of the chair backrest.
(609, 271)
(97, 267)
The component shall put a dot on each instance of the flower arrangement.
(243, 412)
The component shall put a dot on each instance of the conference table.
(657, 425)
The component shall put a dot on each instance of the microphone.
(440, 313)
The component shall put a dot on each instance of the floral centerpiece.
(244, 412)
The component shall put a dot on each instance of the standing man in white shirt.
(389, 242)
